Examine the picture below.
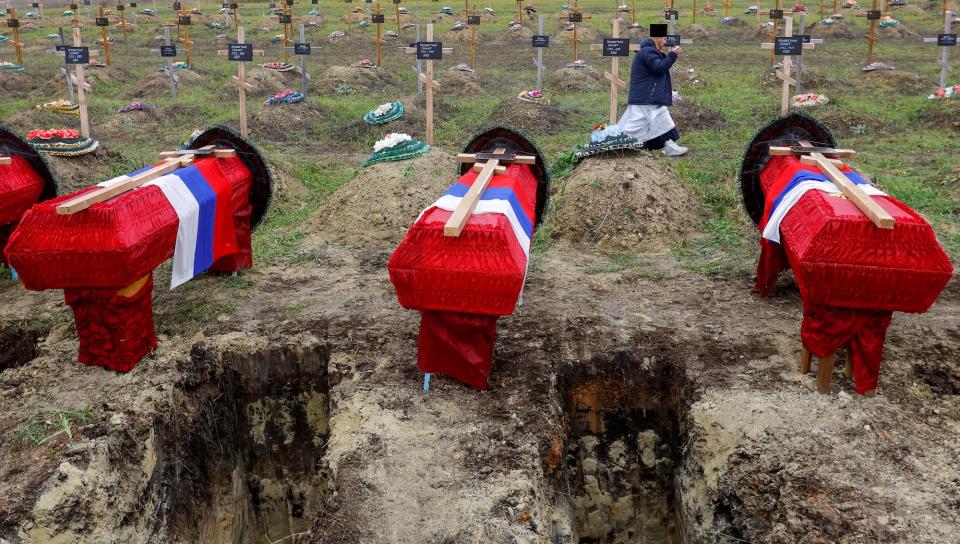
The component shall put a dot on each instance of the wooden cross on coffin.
(427, 79)
(487, 164)
(119, 185)
(239, 52)
(5, 160)
(788, 49)
(945, 41)
(615, 50)
(823, 159)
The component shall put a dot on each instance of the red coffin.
(114, 243)
(839, 258)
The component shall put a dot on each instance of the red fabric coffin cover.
(851, 274)
(113, 244)
(20, 188)
(462, 284)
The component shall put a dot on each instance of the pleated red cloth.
(826, 329)
(114, 331)
(114, 243)
(457, 344)
(20, 187)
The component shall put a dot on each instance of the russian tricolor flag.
(201, 196)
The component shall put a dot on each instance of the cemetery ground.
(285, 404)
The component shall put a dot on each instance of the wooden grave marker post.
(104, 24)
(694, 12)
(14, 23)
(396, 4)
(80, 56)
(184, 22)
(615, 47)
(168, 51)
(123, 22)
(487, 164)
(377, 18)
(429, 51)
(873, 15)
(576, 17)
(519, 17)
(633, 12)
(787, 46)
(540, 42)
(286, 19)
(241, 53)
(726, 8)
(674, 39)
(473, 21)
(945, 40)
(776, 15)
(302, 49)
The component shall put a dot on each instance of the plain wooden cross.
(487, 165)
(872, 16)
(776, 26)
(396, 5)
(944, 38)
(784, 73)
(172, 160)
(614, 74)
(183, 34)
(726, 8)
(575, 10)
(241, 81)
(473, 37)
(104, 39)
(286, 30)
(123, 22)
(828, 161)
(82, 88)
(12, 14)
(428, 81)
(378, 24)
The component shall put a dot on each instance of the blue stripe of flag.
(805, 175)
(499, 193)
(207, 198)
(140, 171)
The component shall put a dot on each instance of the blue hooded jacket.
(650, 82)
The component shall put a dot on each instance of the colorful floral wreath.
(396, 147)
(286, 96)
(531, 96)
(809, 100)
(946, 92)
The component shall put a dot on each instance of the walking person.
(651, 92)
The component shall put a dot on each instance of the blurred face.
(660, 42)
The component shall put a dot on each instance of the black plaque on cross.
(671, 14)
(183, 20)
(301, 49)
(806, 37)
(575, 18)
(77, 55)
(35, 5)
(378, 18)
(133, 4)
(616, 47)
(473, 20)
(13, 23)
(285, 19)
(86, 2)
(60, 48)
(240, 52)
(673, 40)
(947, 40)
(289, 2)
(776, 14)
(540, 41)
(874, 15)
(102, 21)
(168, 51)
(120, 7)
(73, 7)
(791, 46)
(177, 6)
(429, 51)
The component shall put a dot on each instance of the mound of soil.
(379, 205)
(268, 82)
(909, 9)
(577, 79)
(33, 118)
(158, 83)
(16, 83)
(844, 29)
(104, 74)
(942, 114)
(132, 124)
(412, 122)
(76, 173)
(689, 115)
(346, 79)
(458, 36)
(899, 81)
(757, 32)
(531, 117)
(841, 121)
(698, 32)
(354, 18)
(636, 33)
(515, 36)
(285, 122)
(899, 32)
(585, 35)
(445, 18)
(461, 83)
(624, 203)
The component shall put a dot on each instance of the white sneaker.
(672, 149)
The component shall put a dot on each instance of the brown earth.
(378, 206)
(689, 115)
(844, 29)
(124, 126)
(585, 34)
(158, 83)
(531, 117)
(941, 114)
(459, 36)
(267, 82)
(515, 36)
(358, 80)
(286, 122)
(624, 204)
(576, 79)
(461, 83)
(698, 33)
(76, 173)
(899, 81)
(899, 32)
